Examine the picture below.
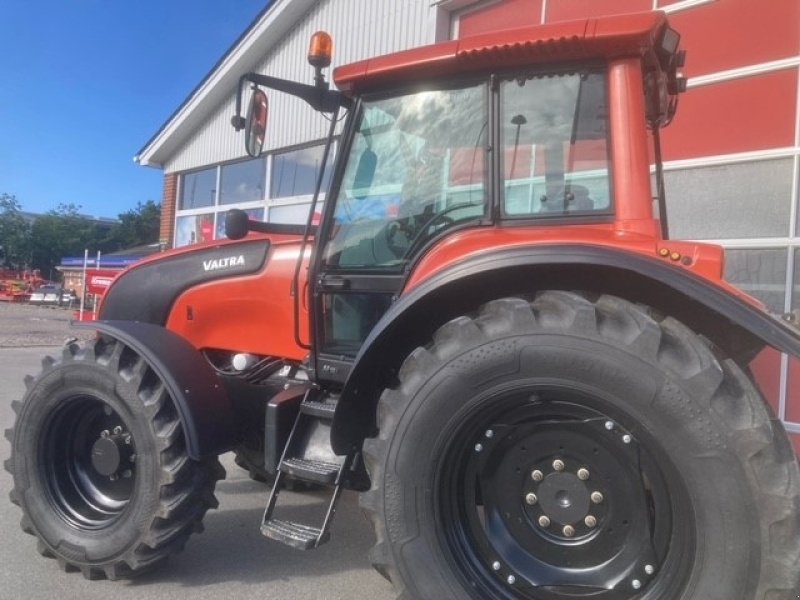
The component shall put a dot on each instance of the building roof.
(118, 259)
(266, 30)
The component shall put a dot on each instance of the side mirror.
(255, 128)
(236, 224)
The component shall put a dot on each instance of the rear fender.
(205, 411)
(741, 329)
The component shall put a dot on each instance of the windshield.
(554, 138)
(415, 168)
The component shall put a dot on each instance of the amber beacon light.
(320, 50)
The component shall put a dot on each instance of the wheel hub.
(112, 453)
(564, 498)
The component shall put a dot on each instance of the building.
(100, 269)
(732, 155)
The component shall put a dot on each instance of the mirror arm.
(320, 99)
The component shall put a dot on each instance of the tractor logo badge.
(228, 262)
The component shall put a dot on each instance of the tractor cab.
(422, 165)
(484, 132)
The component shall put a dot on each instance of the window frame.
(218, 209)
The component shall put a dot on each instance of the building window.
(199, 189)
(192, 229)
(740, 200)
(208, 194)
(242, 181)
(293, 179)
(761, 272)
(295, 173)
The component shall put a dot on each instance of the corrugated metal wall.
(360, 28)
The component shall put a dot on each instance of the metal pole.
(94, 296)
(83, 284)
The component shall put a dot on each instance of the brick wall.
(168, 203)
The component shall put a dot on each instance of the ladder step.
(311, 470)
(321, 410)
(293, 534)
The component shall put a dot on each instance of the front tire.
(100, 465)
(566, 449)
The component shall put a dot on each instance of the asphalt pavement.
(230, 559)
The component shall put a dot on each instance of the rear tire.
(566, 449)
(100, 465)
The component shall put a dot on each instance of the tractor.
(488, 334)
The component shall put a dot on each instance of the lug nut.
(537, 475)
(117, 429)
(478, 447)
(127, 473)
(511, 580)
(105, 433)
(627, 438)
(544, 521)
(531, 499)
(597, 497)
(558, 465)
(636, 584)
(496, 565)
(583, 474)
(568, 530)
(590, 521)
(609, 425)
(649, 569)
(489, 433)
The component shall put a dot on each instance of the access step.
(315, 471)
(321, 410)
(296, 535)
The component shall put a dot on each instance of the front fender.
(205, 411)
(737, 326)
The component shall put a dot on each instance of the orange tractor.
(489, 335)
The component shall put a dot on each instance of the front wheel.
(566, 449)
(100, 465)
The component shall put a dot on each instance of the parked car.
(53, 295)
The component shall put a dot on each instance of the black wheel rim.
(554, 494)
(89, 466)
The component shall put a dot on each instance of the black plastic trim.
(205, 411)
(146, 293)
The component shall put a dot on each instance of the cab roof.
(568, 41)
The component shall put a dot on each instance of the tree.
(136, 227)
(15, 248)
(59, 233)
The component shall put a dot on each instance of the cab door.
(415, 169)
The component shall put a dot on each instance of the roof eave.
(247, 51)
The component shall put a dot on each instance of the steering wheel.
(418, 228)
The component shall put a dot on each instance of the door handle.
(333, 284)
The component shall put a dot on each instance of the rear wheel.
(100, 465)
(567, 449)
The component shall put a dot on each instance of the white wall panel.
(360, 29)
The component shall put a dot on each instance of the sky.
(84, 84)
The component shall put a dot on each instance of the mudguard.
(737, 326)
(205, 411)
